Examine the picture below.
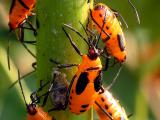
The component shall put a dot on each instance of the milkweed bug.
(20, 10)
(108, 108)
(108, 26)
(34, 112)
(86, 83)
(57, 91)
(110, 30)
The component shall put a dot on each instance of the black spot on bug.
(110, 114)
(102, 99)
(98, 82)
(70, 108)
(107, 27)
(69, 103)
(106, 39)
(72, 91)
(120, 42)
(106, 107)
(85, 106)
(100, 15)
(71, 97)
(92, 68)
(82, 83)
(82, 111)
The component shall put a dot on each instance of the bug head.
(31, 109)
(94, 52)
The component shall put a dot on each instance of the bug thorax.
(31, 109)
(93, 52)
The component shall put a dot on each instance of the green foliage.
(52, 43)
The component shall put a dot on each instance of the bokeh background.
(138, 85)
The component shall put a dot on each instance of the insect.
(57, 91)
(108, 108)
(110, 30)
(108, 26)
(20, 10)
(34, 112)
(86, 83)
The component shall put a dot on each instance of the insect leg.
(99, 25)
(107, 59)
(8, 53)
(115, 78)
(32, 28)
(21, 35)
(34, 65)
(28, 50)
(62, 65)
(103, 110)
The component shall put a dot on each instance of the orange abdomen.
(19, 11)
(113, 36)
(111, 106)
(40, 115)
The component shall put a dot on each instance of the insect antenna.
(72, 43)
(115, 78)
(135, 10)
(76, 31)
(118, 14)
(83, 28)
(19, 80)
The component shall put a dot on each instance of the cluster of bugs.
(86, 88)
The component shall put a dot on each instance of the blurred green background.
(138, 85)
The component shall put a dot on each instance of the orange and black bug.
(108, 108)
(110, 30)
(34, 112)
(86, 83)
(108, 26)
(19, 12)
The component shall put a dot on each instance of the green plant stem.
(52, 42)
